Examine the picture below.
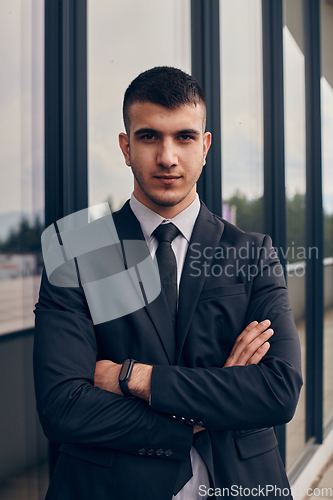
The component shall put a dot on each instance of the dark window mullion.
(205, 22)
(66, 177)
(275, 220)
(314, 224)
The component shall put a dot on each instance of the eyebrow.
(179, 132)
(145, 131)
(188, 131)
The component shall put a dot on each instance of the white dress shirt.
(184, 221)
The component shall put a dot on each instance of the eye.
(186, 137)
(148, 137)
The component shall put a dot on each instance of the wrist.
(140, 381)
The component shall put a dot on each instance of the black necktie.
(167, 264)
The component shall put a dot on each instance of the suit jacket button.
(168, 453)
(151, 452)
(190, 421)
(142, 451)
(199, 424)
(173, 416)
(159, 452)
(183, 419)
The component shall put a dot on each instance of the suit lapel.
(206, 234)
(128, 228)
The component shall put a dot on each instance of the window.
(242, 113)
(22, 161)
(23, 451)
(327, 162)
(294, 123)
(124, 39)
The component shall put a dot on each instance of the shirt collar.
(149, 220)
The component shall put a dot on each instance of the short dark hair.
(163, 85)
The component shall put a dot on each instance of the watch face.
(124, 369)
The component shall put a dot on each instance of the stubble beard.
(160, 200)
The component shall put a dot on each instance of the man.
(193, 416)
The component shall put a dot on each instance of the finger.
(252, 353)
(248, 336)
(250, 331)
(259, 354)
(197, 429)
(247, 329)
(252, 348)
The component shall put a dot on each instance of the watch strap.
(123, 382)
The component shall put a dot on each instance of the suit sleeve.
(70, 408)
(242, 397)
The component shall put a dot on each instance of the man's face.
(166, 149)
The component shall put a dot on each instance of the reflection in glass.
(23, 451)
(22, 162)
(242, 113)
(124, 39)
(294, 98)
(327, 158)
(327, 170)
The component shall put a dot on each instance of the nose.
(167, 155)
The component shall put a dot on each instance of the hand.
(251, 345)
(197, 429)
(106, 376)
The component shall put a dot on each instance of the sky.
(241, 98)
(21, 104)
(124, 39)
(327, 141)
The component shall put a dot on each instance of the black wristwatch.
(125, 375)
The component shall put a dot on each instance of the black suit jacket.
(114, 447)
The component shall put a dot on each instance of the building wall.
(125, 38)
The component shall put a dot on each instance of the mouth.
(168, 179)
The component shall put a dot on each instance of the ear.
(207, 140)
(124, 146)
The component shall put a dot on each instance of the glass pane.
(294, 98)
(327, 159)
(119, 48)
(23, 451)
(22, 162)
(242, 113)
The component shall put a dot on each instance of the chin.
(166, 202)
(165, 198)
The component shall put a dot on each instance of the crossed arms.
(249, 348)
(257, 387)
